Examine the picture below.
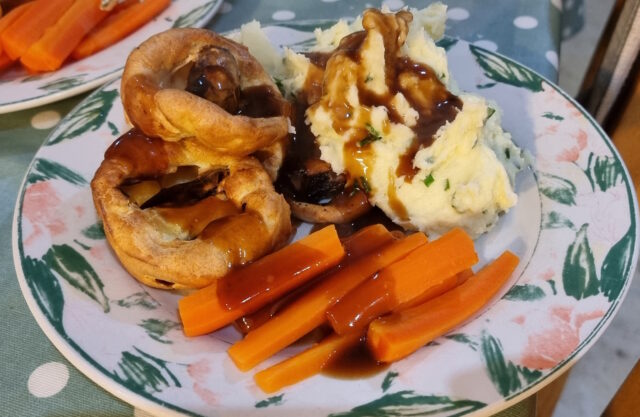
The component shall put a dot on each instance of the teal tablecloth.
(35, 380)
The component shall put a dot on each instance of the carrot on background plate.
(253, 286)
(306, 363)
(308, 312)
(425, 273)
(393, 337)
(59, 40)
(11, 17)
(31, 25)
(5, 61)
(118, 25)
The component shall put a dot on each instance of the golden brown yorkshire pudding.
(193, 83)
(179, 215)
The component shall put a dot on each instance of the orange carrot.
(308, 312)
(120, 24)
(31, 25)
(305, 364)
(426, 272)
(400, 334)
(363, 241)
(59, 40)
(5, 61)
(11, 17)
(247, 289)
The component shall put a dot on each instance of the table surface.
(524, 30)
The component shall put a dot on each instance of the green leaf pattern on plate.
(140, 299)
(524, 292)
(156, 328)
(617, 265)
(74, 268)
(142, 372)
(388, 380)
(89, 118)
(579, 271)
(94, 232)
(304, 26)
(604, 171)
(408, 403)
(505, 375)
(192, 17)
(502, 70)
(447, 42)
(275, 400)
(552, 116)
(63, 83)
(463, 338)
(555, 220)
(44, 170)
(557, 188)
(46, 290)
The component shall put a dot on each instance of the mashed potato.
(462, 176)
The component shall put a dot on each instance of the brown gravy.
(355, 363)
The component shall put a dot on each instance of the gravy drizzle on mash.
(386, 113)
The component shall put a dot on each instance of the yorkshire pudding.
(193, 83)
(231, 216)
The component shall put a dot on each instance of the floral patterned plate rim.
(20, 90)
(575, 229)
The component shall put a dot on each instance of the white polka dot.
(283, 15)
(225, 8)
(141, 413)
(486, 44)
(557, 4)
(393, 4)
(552, 57)
(48, 379)
(45, 119)
(525, 22)
(457, 13)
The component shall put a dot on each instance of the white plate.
(575, 229)
(19, 90)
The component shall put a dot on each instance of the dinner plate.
(19, 90)
(574, 228)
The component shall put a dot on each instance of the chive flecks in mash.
(373, 136)
(429, 180)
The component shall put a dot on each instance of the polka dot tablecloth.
(35, 379)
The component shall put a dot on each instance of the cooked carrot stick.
(11, 17)
(31, 25)
(362, 242)
(305, 364)
(393, 337)
(308, 312)
(426, 272)
(50, 51)
(247, 289)
(119, 25)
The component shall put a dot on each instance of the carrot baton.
(119, 25)
(305, 364)
(393, 337)
(9, 18)
(31, 25)
(247, 289)
(425, 273)
(360, 243)
(58, 41)
(308, 312)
